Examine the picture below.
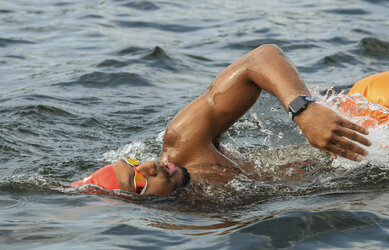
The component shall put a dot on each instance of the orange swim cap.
(375, 88)
(105, 177)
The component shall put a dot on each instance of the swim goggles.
(140, 182)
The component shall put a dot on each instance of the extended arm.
(237, 88)
(269, 68)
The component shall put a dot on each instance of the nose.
(148, 168)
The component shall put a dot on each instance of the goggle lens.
(140, 182)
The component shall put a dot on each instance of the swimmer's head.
(161, 179)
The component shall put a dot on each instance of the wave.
(340, 59)
(4, 42)
(102, 80)
(343, 11)
(327, 229)
(158, 26)
(142, 5)
(374, 47)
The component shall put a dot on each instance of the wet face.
(162, 178)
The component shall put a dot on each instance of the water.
(85, 83)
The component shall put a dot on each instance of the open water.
(83, 83)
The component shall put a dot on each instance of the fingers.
(332, 133)
(333, 155)
(344, 153)
(340, 145)
(353, 136)
(350, 125)
(348, 146)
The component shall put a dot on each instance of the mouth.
(170, 167)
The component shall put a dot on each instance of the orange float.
(375, 89)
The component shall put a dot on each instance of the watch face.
(298, 104)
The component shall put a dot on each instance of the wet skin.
(188, 139)
(189, 136)
(162, 178)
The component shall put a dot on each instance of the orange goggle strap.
(134, 163)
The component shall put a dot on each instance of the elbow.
(268, 50)
(263, 55)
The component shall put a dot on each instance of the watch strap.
(299, 104)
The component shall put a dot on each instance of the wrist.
(298, 105)
(309, 115)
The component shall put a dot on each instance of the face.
(162, 179)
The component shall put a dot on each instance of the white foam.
(136, 150)
(379, 135)
(160, 136)
(378, 151)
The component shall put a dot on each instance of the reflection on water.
(221, 228)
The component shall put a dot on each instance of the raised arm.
(238, 87)
(271, 70)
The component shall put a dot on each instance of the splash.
(136, 150)
(359, 110)
(267, 140)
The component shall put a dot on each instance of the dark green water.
(83, 83)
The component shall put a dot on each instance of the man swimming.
(190, 139)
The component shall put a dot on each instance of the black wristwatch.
(299, 104)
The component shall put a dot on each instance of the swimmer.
(191, 138)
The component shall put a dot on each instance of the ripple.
(377, 1)
(80, 46)
(112, 63)
(101, 80)
(28, 184)
(41, 109)
(4, 204)
(130, 50)
(362, 31)
(23, 235)
(92, 16)
(339, 59)
(355, 11)
(141, 236)
(4, 42)
(158, 26)
(252, 44)
(334, 229)
(374, 46)
(15, 57)
(159, 58)
(157, 53)
(142, 5)
(339, 40)
(200, 58)
(305, 45)
(64, 3)
(6, 11)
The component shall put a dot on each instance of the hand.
(328, 131)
